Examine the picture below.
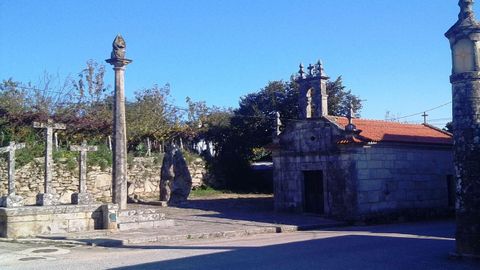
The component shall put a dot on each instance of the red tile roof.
(387, 131)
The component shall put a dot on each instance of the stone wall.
(143, 173)
(400, 177)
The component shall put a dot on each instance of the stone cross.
(11, 200)
(119, 168)
(47, 198)
(82, 197)
(425, 115)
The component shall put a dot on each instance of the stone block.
(11, 201)
(82, 198)
(370, 185)
(362, 197)
(375, 164)
(45, 199)
(380, 174)
(362, 164)
(406, 185)
(374, 196)
(79, 225)
(110, 216)
(363, 174)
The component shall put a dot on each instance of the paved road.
(406, 246)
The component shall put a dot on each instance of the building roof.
(388, 131)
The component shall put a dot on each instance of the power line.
(422, 112)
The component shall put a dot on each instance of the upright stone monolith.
(464, 39)
(47, 197)
(119, 170)
(11, 200)
(175, 178)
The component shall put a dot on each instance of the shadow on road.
(341, 252)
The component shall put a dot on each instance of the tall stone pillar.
(465, 79)
(119, 170)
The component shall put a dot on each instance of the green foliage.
(71, 164)
(190, 157)
(102, 157)
(449, 127)
(28, 154)
(151, 115)
(340, 99)
(158, 158)
(63, 156)
(206, 191)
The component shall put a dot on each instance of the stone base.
(45, 199)
(11, 201)
(82, 198)
(31, 221)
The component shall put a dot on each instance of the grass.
(206, 191)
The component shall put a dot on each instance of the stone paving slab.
(206, 219)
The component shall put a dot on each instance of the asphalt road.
(405, 246)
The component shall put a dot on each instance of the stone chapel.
(353, 169)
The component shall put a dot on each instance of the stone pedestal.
(82, 198)
(11, 200)
(46, 199)
(110, 216)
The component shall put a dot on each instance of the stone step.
(141, 211)
(141, 217)
(164, 223)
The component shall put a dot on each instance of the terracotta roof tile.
(386, 131)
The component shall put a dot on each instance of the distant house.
(356, 168)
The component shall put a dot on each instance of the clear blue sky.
(391, 53)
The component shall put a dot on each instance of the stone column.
(11, 200)
(48, 198)
(119, 170)
(465, 80)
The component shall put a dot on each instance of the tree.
(252, 126)
(340, 99)
(151, 115)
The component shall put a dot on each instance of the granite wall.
(143, 175)
(401, 177)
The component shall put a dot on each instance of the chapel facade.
(352, 169)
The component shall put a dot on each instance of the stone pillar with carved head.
(464, 37)
(119, 167)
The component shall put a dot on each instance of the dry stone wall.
(143, 175)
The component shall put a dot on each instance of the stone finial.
(278, 124)
(301, 72)
(466, 9)
(321, 70)
(350, 126)
(311, 70)
(119, 46)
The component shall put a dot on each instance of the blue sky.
(391, 53)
